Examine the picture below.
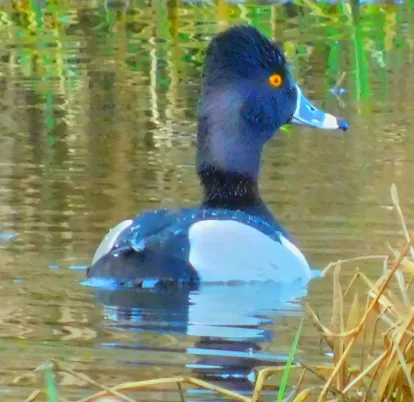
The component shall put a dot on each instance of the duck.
(247, 94)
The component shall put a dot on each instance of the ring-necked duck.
(248, 93)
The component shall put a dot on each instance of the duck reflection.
(230, 323)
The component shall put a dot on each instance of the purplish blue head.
(248, 93)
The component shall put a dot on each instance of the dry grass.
(372, 343)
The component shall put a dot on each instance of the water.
(98, 123)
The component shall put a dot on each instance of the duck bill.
(308, 114)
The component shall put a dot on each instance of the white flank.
(109, 240)
(227, 250)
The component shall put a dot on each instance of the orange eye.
(275, 80)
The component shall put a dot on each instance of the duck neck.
(228, 169)
(229, 154)
(223, 189)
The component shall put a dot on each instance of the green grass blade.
(51, 387)
(285, 376)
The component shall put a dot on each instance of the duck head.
(248, 93)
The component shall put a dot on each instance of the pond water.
(97, 109)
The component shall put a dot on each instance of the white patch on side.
(109, 240)
(226, 250)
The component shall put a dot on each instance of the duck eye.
(275, 80)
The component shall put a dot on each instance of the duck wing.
(146, 251)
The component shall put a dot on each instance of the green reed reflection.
(42, 31)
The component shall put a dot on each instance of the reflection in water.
(228, 323)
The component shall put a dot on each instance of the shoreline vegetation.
(371, 344)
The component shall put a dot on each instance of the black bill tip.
(342, 125)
